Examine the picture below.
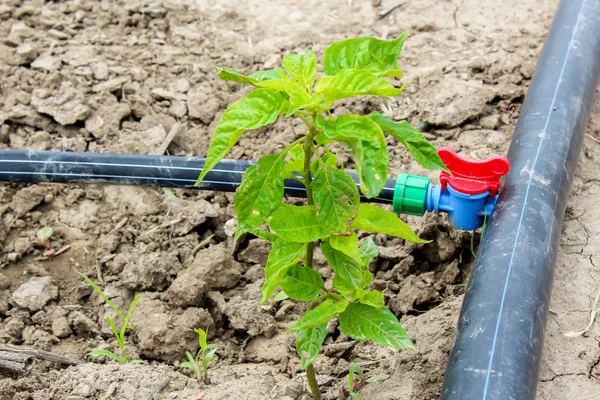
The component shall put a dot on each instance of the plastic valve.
(472, 177)
(468, 194)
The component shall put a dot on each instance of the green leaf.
(101, 293)
(129, 312)
(378, 378)
(371, 218)
(260, 193)
(308, 343)
(185, 364)
(320, 315)
(368, 146)
(425, 153)
(364, 322)
(354, 82)
(336, 196)
(354, 369)
(272, 79)
(282, 256)
(259, 108)
(44, 234)
(374, 55)
(296, 224)
(202, 338)
(263, 234)
(368, 250)
(372, 298)
(281, 296)
(104, 353)
(347, 245)
(302, 67)
(350, 275)
(300, 98)
(302, 283)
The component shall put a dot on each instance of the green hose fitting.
(410, 194)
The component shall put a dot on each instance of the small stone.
(181, 85)
(21, 30)
(4, 282)
(107, 118)
(505, 119)
(24, 54)
(202, 107)
(177, 109)
(14, 328)
(100, 71)
(61, 327)
(65, 105)
(35, 293)
(81, 323)
(162, 93)
(58, 34)
(490, 122)
(111, 85)
(46, 62)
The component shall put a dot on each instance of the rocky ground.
(117, 76)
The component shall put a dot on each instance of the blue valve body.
(465, 211)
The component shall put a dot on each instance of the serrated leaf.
(104, 353)
(354, 82)
(347, 245)
(282, 256)
(368, 53)
(371, 218)
(425, 153)
(336, 195)
(322, 314)
(263, 234)
(351, 276)
(302, 283)
(368, 147)
(372, 298)
(368, 250)
(297, 224)
(260, 193)
(364, 322)
(259, 108)
(272, 79)
(302, 67)
(308, 343)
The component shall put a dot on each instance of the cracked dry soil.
(115, 76)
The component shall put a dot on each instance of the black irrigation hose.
(498, 346)
(138, 170)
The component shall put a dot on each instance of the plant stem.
(310, 247)
(312, 382)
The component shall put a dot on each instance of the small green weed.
(352, 383)
(203, 358)
(121, 358)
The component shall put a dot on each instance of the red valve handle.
(470, 176)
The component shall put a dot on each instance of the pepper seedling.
(333, 214)
(203, 359)
(121, 357)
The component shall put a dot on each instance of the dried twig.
(165, 144)
(383, 13)
(159, 389)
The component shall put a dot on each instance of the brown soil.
(115, 76)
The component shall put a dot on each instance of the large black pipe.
(139, 170)
(498, 346)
